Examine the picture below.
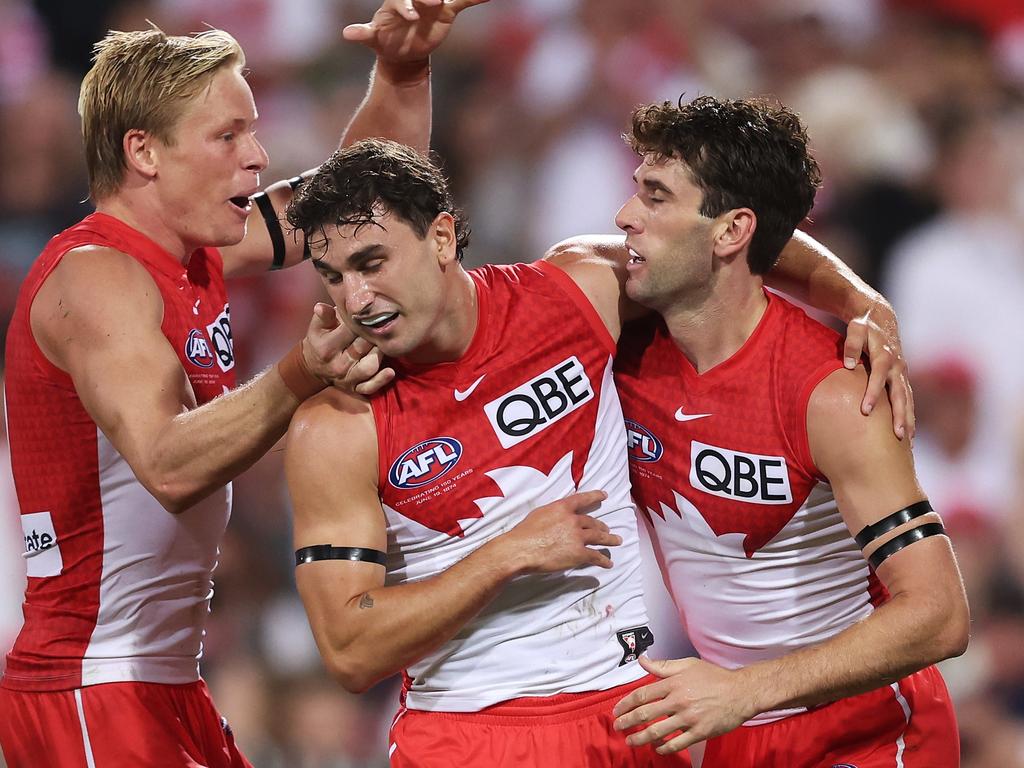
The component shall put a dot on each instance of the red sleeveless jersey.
(118, 588)
(745, 528)
(527, 416)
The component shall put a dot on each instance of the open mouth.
(377, 322)
(242, 203)
(635, 258)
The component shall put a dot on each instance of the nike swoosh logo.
(463, 394)
(680, 416)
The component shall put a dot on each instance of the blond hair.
(141, 80)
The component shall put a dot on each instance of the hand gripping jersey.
(527, 416)
(745, 528)
(118, 588)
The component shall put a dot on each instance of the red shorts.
(914, 728)
(570, 730)
(114, 725)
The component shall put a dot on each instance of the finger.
(856, 338)
(405, 8)
(461, 5)
(657, 731)
(644, 716)
(898, 399)
(363, 368)
(580, 501)
(678, 743)
(664, 667)
(600, 558)
(383, 377)
(880, 367)
(599, 538)
(359, 33)
(325, 315)
(910, 417)
(639, 697)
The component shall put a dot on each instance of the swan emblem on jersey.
(197, 349)
(425, 462)
(642, 444)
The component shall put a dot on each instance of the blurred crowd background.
(916, 113)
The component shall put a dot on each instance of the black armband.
(905, 539)
(330, 552)
(871, 532)
(266, 207)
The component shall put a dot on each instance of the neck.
(137, 212)
(715, 329)
(456, 326)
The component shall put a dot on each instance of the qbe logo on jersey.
(540, 402)
(739, 476)
(219, 332)
(425, 462)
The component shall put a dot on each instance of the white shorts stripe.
(900, 744)
(89, 761)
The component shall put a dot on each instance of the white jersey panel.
(156, 584)
(804, 586)
(547, 633)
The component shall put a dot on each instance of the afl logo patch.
(641, 443)
(425, 462)
(197, 350)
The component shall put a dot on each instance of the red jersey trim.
(579, 298)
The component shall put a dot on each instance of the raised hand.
(404, 31)
(334, 354)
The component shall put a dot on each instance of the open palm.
(408, 30)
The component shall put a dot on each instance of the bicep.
(330, 466)
(99, 319)
(872, 476)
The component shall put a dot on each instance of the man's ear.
(140, 153)
(442, 237)
(734, 232)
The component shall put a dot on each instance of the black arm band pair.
(262, 200)
(330, 552)
(871, 532)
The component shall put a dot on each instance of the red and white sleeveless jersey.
(745, 528)
(527, 416)
(118, 588)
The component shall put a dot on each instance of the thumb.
(324, 317)
(358, 33)
(660, 667)
(856, 338)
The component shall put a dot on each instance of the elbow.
(176, 495)
(352, 676)
(952, 629)
(957, 633)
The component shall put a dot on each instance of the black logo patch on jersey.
(540, 402)
(634, 641)
(738, 476)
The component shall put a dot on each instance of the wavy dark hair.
(745, 153)
(361, 182)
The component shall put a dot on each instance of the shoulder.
(588, 252)
(331, 422)
(94, 286)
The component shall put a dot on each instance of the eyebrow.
(354, 260)
(652, 185)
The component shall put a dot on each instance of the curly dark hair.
(745, 153)
(358, 183)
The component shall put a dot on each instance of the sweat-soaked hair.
(747, 153)
(362, 182)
